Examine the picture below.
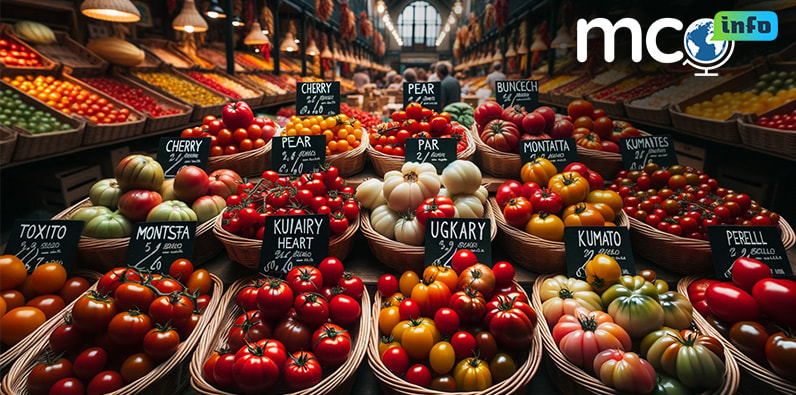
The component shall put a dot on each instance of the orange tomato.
(12, 272)
(3, 307)
(73, 288)
(50, 305)
(200, 279)
(18, 323)
(13, 299)
(48, 278)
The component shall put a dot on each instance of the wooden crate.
(70, 53)
(67, 186)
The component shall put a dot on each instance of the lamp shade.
(215, 11)
(237, 22)
(380, 7)
(289, 43)
(189, 20)
(110, 10)
(327, 54)
(255, 36)
(538, 44)
(498, 56)
(312, 49)
(563, 39)
(511, 52)
(523, 49)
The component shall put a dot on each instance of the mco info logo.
(708, 43)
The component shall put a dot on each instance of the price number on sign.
(448, 250)
(317, 108)
(29, 253)
(292, 163)
(152, 260)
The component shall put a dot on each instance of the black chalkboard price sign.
(560, 152)
(428, 94)
(36, 242)
(437, 151)
(523, 93)
(445, 236)
(174, 153)
(296, 155)
(764, 243)
(317, 98)
(582, 243)
(639, 151)
(155, 245)
(294, 240)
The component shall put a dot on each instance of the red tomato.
(517, 211)
(419, 374)
(104, 382)
(344, 310)
(274, 298)
(128, 328)
(777, 298)
(305, 279)
(730, 303)
(68, 386)
(302, 371)
(331, 270)
(65, 338)
(746, 272)
(92, 312)
(464, 344)
(181, 269)
(446, 320)
(161, 343)
(247, 297)
(222, 371)
(46, 373)
(89, 363)
(580, 108)
(462, 259)
(504, 273)
(134, 296)
(174, 309)
(396, 360)
(74, 287)
(331, 344)
(352, 285)
(311, 308)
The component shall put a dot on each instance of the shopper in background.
(421, 75)
(410, 76)
(361, 77)
(495, 75)
(432, 73)
(451, 88)
(396, 83)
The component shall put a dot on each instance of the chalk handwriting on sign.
(36, 242)
(764, 243)
(174, 153)
(437, 151)
(428, 94)
(445, 236)
(560, 152)
(294, 240)
(639, 151)
(296, 155)
(155, 245)
(317, 98)
(582, 243)
(523, 93)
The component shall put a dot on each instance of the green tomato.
(677, 310)
(651, 337)
(86, 214)
(108, 226)
(105, 193)
(668, 385)
(638, 314)
(627, 286)
(171, 210)
(690, 357)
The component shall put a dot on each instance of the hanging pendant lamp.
(189, 20)
(110, 10)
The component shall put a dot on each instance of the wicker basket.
(769, 139)
(494, 162)
(6, 32)
(340, 381)
(681, 254)
(101, 133)
(30, 145)
(400, 256)
(608, 164)
(754, 377)
(712, 129)
(247, 251)
(532, 252)
(247, 164)
(165, 378)
(165, 121)
(382, 163)
(8, 140)
(70, 53)
(105, 254)
(10, 355)
(199, 111)
(392, 384)
(570, 379)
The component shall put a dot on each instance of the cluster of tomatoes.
(460, 328)
(213, 84)
(290, 330)
(69, 98)
(134, 97)
(367, 119)
(342, 133)
(594, 130)
(630, 332)
(779, 121)
(415, 122)
(17, 55)
(754, 311)
(226, 141)
(684, 201)
(119, 332)
(322, 192)
(546, 201)
(27, 300)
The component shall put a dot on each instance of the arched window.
(419, 24)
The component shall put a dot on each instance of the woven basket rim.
(753, 368)
(241, 155)
(16, 379)
(230, 311)
(591, 383)
(519, 379)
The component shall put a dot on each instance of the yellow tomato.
(408, 281)
(388, 318)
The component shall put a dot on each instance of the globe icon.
(701, 50)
